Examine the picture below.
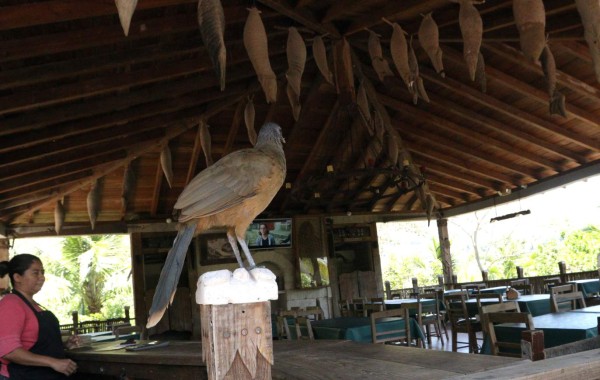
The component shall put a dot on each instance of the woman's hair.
(18, 264)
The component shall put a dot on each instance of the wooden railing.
(536, 281)
(96, 326)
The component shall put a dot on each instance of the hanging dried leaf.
(530, 18)
(557, 99)
(59, 217)
(589, 10)
(399, 51)
(128, 184)
(249, 115)
(167, 164)
(429, 38)
(206, 142)
(211, 20)
(392, 149)
(294, 101)
(380, 64)
(431, 205)
(125, 9)
(93, 203)
(471, 28)
(413, 64)
(256, 44)
(320, 55)
(296, 56)
(363, 104)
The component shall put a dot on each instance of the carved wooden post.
(415, 285)
(532, 344)
(442, 225)
(562, 268)
(127, 317)
(237, 337)
(520, 272)
(440, 280)
(454, 281)
(484, 276)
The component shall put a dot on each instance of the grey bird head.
(270, 133)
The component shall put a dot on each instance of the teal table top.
(536, 304)
(358, 329)
(589, 309)
(496, 289)
(588, 287)
(559, 328)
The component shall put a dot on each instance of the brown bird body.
(228, 194)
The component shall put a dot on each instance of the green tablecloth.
(396, 303)
(588, 287)
(536, 304)
(559, 328)
(358, 329)
(589, 309)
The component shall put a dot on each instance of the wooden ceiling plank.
(467, 133)
(302, 16)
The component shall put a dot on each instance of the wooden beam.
(302, 16)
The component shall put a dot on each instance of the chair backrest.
(473, 288)
(523, 288)
(565, 288)
(501, 347)
(344, 306)
(357, 307)
(521, 281)
(374, 304)
(504, 307)
(430, 307)
(314, 313)
(566, 301)
(387, 335)
(299, 322)
(551, 282)
(493, 296)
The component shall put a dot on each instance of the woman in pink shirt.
(30, 343)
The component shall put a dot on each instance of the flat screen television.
(279, 230)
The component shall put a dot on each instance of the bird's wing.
(228, 182)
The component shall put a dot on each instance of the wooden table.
(301, 360)
(358, 329)
(588, 287)
(590, 309)
(496, 290)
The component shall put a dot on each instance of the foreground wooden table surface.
(302, 360)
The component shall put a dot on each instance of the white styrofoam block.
(223, 287)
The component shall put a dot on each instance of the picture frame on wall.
(215, 249)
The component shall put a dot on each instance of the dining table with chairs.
(536, 304)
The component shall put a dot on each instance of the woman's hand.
(73, 342)
(64, 366)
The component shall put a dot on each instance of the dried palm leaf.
(249, 115)
(296, 56)
(206, 142)
(167, 164)
(557, 99)
(380, 64)
(530, 18)
(392, 149)
(363, 105)
(294, 101)
(59, 216)
(128, 184)
(125, 9)
(589, 10)
(431, 205)
(93, 203)
(211, 20)
(399, 51)
(429, 38)
(320, 55)
(471, 28)
(480, 77)
(418, 89)
(256, 44)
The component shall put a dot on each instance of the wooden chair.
(397, 335)
(488, 296)
(551, 282)
(523, 289)
(431, 316)
(344, 307)
(504, 348)
(283, 328)
(314, 313)
(474, 288)
(416, 309)
(566, 301)
(357, 307)
(504, 307)
(565, 288)
(375, 304)
(521, 281)
(123, 330)
(300, 321)
(460, 321)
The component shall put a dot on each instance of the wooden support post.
(440, 280)
(388, 290)
(127, 317)
(520, 272)
(484, 276)
(454, 281)
(415, 285)
(562, 268)
(4, 244)
(532, 344)
(237, 341)
(442, 225)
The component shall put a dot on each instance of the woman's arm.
(24, 357)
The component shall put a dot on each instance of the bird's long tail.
(169, 276)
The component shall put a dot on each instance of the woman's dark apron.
(49, 343)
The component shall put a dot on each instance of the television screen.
(269, 233)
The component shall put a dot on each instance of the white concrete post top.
(242, 286)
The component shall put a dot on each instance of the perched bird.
(228, 194)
